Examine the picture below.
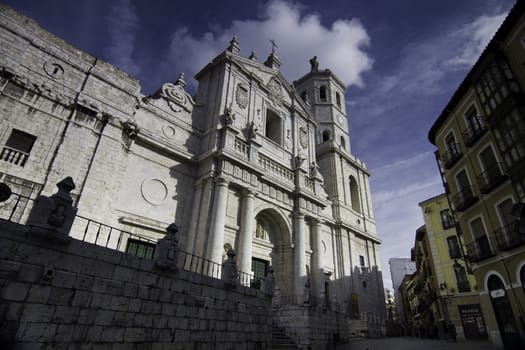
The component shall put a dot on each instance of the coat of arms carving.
(275, 90)
(241, 96)
(303, 137)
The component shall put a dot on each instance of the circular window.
(54, 70)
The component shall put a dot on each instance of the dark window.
(338, 99)
(461, 278)
(303, 96)
(326, 135)
(446, 219)
(17, 147)
(259, 268)
(361, 260)
(322, 93)
(273, 126)
(140, 248)
(354, 194)
(453, 247)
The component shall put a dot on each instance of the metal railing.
(17, 208)
(491, 177)
(452, 156)
(479, 249)
(473, 133)
(508, 236)
(464, 198)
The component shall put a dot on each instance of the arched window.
(343, 142)
(354, 194)
(326, 135)
(338, 99)
(273, 126)
(322, 93)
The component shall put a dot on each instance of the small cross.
(274, 45)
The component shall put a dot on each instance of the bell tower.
(324, 92)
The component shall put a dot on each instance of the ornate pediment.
(176, 97)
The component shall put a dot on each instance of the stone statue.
(315, 173)
(269, 282)
(229, 272)
(259, 230)
(229, 116)
(314, 65)
(252, 131)
(167, 249)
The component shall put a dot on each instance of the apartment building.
(480, 140)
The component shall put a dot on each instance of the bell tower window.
(322, 93)
(326, 135)
(338, 99)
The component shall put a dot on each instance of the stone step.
(280, 340)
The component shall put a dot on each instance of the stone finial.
(252, 131)
(234, 46)
(229, 273)
(167, 249)
(273, 61)
(314, 64)
(52, 217)
(229, 116)
(253, 56)
(180, 81)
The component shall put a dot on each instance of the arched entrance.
(271, 247)
(503, 312)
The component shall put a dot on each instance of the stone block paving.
(406, 343)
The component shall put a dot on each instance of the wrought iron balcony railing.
(452, 156)
(464, 198)
(464, 287)
(473, 133)
(479, 249)
(491, 178)
(509, 236)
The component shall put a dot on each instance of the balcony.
(454, 252)
(491, 178)
(473, 133)
(464, 287)
(509, 236)
(464, 199)
(13, 156)
(452, 156)
(479, 250)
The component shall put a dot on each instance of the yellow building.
(457, 299)
(480, 139)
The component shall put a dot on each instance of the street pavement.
(408, 343)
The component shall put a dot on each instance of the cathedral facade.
(251, 163)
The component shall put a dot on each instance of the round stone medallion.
(154, 191)
(168, 131)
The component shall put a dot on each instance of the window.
(273, 126)
(492, 174)
(322, 93)
(361, 260)
(140, 248)
(343, 143)
(480, 238)
(446, 219)
(453, 153)
(326, 135)
(338, 99)
(259, 268)
(17, 147)
(354, 194)
(461, 278)
(453, 247)
(303, 96)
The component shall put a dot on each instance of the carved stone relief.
(241, 96)
(154, 191)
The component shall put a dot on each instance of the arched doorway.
(271, 247)
(503, 312)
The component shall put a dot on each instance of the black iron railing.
(479, 249)
(452, 156)
(473, 133)
(16, 208)
(464, 198)
(509, 237)
(491, 178)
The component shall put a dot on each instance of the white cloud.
(299, 37)
(476, 35)
(123, 24)
(425, 66)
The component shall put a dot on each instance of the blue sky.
(401, 61)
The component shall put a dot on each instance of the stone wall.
(82, 296)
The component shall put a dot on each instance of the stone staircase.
(280, 340)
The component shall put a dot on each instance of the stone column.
(216, 232)
(244, 250)
(317, 258)
(192, 230)
(299, 257)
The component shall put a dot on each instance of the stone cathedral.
(251, 162)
